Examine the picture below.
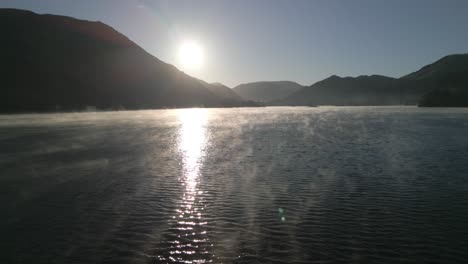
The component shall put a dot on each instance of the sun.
(190, 56)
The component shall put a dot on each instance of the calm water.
(265, 185)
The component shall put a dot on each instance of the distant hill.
(362, 90)
(222, 91)
(266, 91)
(227, 96)
(451, 90)
(54, 62)
(442, 68)
(446, 78)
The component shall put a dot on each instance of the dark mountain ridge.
(456, 63)
(54, 62)
(361, 90)
(447, 77)
(266, 91)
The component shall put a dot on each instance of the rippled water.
(258, 185)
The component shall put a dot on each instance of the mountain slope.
(451, 90)
(227, 96)
(447, 80)
(442, 83)
(222, 91)
(448, 65)
(53, 62)
(362, 90)
(266, 91)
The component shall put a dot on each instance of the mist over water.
(246, 185)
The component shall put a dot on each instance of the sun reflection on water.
(189, 242)
(192, 143)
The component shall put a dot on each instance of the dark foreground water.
(265, 185)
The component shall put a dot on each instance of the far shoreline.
(234, 107)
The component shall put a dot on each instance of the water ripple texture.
(241, 185)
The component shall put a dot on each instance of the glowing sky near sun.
(190, 57)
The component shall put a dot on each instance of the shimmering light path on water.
(187, 238)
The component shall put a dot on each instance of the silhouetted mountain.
(451, 91)
(222, 91)
(362, 90)
(266, 91)
(227, 96)
(436, 84)
(447, 79)
(54, 62)
(442, 68)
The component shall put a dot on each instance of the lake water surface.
(242, 185)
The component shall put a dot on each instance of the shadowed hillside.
(228, 97)
(451, 90)
(442, 83)
(266, 91)
(448, 80)
(60, 63)
(448, 65)
(362, 90)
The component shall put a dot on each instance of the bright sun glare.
(190, 56)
